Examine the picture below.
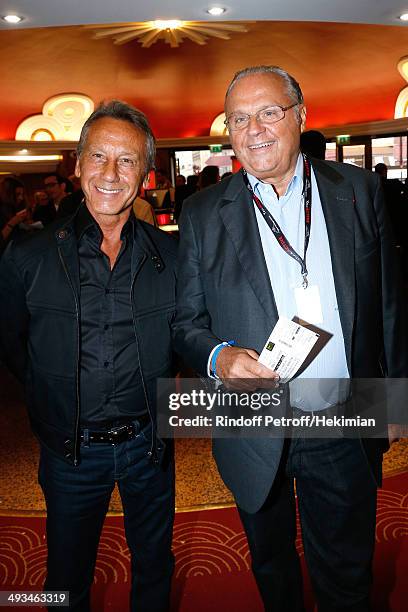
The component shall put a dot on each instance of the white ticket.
(287, 348)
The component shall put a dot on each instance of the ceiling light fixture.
(404, 17)
(170, 24)
(216, 11)
(403, 67)
(172, 32)
(12, 18)
(30, 158)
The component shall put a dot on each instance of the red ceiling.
(348, 72)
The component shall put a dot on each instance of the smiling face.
(268, 152)
(111, 167)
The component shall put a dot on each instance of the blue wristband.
(219, 348)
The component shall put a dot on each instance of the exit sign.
(217, 148)
(343, 139)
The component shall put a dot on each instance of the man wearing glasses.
(56, 187)
(250, 246)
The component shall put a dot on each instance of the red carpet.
(212, 560)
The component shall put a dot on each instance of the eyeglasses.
(265, 116)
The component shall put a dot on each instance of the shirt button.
(106, 364)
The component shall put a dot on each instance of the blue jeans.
(77, 500)
(337, 507)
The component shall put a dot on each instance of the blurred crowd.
(60, 196)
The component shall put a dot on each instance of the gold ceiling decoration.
(172, 32)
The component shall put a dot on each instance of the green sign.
(343, 139)
(217, 148)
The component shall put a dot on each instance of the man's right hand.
(20, 216)
(240, 369)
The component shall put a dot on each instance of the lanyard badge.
(274, 226)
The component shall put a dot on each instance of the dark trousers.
(77, 501)
(337, 506)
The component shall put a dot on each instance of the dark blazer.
(40, 328)
(224, 292)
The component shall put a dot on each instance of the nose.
(255, 126)
(110, 171)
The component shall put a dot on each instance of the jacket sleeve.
(192, 335)
(14, 316)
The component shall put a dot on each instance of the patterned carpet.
(212, 560)
(212, 570)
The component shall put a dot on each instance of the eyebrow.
(257, 111)
(95, 149)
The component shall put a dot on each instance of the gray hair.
(292, 86)
(115, 109)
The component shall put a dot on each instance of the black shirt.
(110, 382)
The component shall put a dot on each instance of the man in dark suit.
(85, 311)
(287, 236)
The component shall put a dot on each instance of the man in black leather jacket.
(85, 313)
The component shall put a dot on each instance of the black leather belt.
(118, 434)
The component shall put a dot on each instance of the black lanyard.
(276, 230)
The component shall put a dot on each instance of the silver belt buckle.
(121, 433)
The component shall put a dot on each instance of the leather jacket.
(40, 326)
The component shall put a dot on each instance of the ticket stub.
(287, 348)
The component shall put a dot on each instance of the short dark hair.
(313, 142)
(61, 179)
(209, 175)
(292, 86)
(116, 109)
(381, 168)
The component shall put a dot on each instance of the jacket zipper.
(76, 430)
(152, 451)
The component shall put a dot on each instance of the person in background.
(313, 143)
(162, 180)
(144, 211)
(182, 192)
(40, 199)
(57, 189)
(180, 180)
(226, 175)
(396, 202)
(192, 182)
(13, 210)
(85, 312)
(209, 175)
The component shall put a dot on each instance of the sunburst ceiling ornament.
(172, 32)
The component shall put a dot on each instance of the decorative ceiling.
(71, 12)
(348, 72)
(173, 31)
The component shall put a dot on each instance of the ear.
(77, 171)
(303, 114)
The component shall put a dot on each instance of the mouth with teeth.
(108, 191)
(261, 145)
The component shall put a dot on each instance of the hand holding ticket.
(287, 348)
